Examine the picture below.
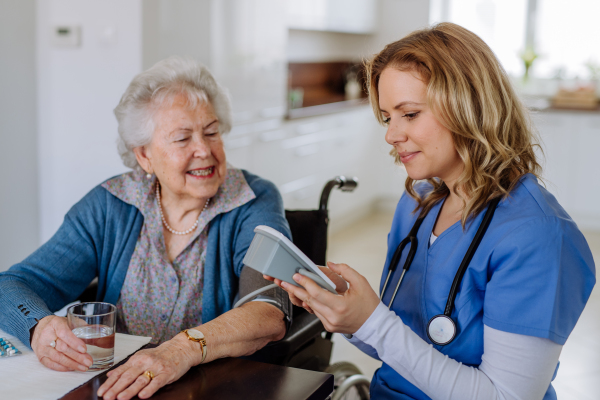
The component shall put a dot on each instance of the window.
(563, 32)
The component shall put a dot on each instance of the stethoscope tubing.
(412, 239)
(485, 223)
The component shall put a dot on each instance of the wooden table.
(233, 378)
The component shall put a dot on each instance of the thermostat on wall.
(66, 36)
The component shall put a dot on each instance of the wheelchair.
(307, 345)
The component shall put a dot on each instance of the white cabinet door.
(351, 16)
(571, 172)
(587, 171)
(248, 56)
(558, 133)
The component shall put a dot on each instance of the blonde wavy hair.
(471, 95)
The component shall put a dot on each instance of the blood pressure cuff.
(251, 280)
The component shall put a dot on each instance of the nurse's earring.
(148, 175)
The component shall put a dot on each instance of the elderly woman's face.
(186, 152)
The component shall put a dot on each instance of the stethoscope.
(441, 329)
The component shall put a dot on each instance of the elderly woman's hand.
(340, 286)
(343, 313)
(168, 362)
(68, 353)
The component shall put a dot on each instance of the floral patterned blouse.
(160, 298)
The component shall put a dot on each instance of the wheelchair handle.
(343, 183)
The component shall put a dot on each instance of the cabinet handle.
(308, 128)
(298, 184)
(306, 151)
(238, 143)
(272, 112)
(273, 135)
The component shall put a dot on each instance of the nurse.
(499, 273)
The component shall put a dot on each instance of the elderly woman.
(166, 242)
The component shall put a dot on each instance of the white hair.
(158, 86)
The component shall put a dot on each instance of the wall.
(19, 227)
(78, 88)
(175, 27)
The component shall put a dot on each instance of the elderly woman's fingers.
(50, 342)
(47, 362)
(64, 360)
(64, 333)
(123, 382)
(140, 383)
(158, 382)
(83, 360)
(113, 377)
(167, 363)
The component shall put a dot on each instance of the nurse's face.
(419, 140)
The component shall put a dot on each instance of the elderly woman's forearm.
(240, 332)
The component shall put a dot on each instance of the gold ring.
(149, 375)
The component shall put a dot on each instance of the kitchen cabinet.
(350, 16)
(249, 40)
(300, 156)
(243, 42)
(570, 141)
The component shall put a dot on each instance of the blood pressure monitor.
(273, 254)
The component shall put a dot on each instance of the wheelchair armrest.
(305, 327)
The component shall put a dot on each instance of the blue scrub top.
(531, 275)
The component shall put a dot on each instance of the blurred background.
(293, 70)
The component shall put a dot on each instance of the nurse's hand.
(340, 286)
(342, 313)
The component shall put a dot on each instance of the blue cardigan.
(97, 239)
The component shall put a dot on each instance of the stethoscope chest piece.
(441, 330)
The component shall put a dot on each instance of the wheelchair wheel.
(349, 382)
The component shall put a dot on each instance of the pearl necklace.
(162, 216)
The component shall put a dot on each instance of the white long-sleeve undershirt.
(513, 366)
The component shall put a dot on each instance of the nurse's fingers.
(295, 300)
(315, 291)
(295, 291)
(340, 284)
(347, 273)
(306, 300)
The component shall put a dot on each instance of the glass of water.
(94, 323)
